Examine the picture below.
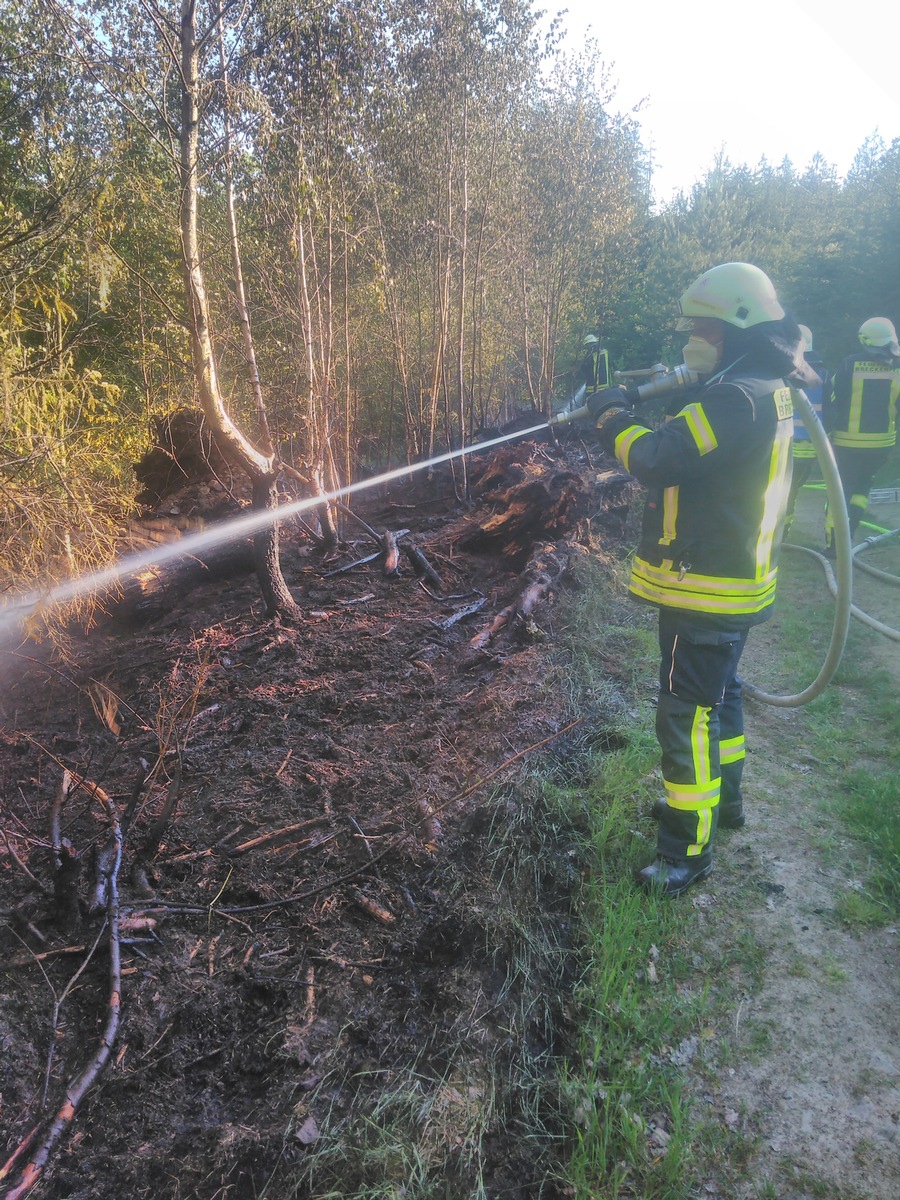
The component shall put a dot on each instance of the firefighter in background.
(593, 372)
(819, 396)
(865, 391)
(717, 476)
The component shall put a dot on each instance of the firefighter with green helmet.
(864, 431)
(717, 474)
(593, 372)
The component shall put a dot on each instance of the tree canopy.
(434, 205)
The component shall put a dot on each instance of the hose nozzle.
(570, 414)
(575, 410)
(672, 381)
(662, 381)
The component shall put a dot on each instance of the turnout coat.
(718, 474)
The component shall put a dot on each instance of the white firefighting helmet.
(591, 340)
(879, 331)
(737, 293)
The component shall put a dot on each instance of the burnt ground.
(331, 921)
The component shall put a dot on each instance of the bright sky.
(769, 78)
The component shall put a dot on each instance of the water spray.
(661, 382)
(16, 611)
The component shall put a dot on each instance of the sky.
(792, 78)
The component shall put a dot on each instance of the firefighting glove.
(607, 400)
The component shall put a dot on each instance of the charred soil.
(312, 905)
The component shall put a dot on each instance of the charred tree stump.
(523, 501)
(390, 542)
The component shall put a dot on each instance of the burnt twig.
(79, 1087)
(65, 787)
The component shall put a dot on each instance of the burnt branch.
(80, 1086)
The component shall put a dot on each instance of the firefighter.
(819, 396)
(717, 473)
(594, 369)
(865, 391)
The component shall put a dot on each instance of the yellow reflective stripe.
(700, 593)
(773, 501)
(725, 605)
(699, 427)
(859, 501)
(804, 450)
(672, 599)
(704, 829)
(688, 797)
(666, 574)
(865, 439)
(669, 515)
(732, 749)
(700, 745)
(625, 440)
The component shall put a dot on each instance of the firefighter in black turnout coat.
(866, 398)
(717, 473)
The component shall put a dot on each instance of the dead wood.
(359, 562)
(373, 908)
(147, 852)
(277, 836)
(184, 453)
(58, 801)
(139, 790)
(348, 512)
(541, 505)
(65, 887)
(390, 542)
(422, 566)
(157, 588)
(544, 569)
(79, 1087)
(461, 614)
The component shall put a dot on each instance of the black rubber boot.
(670, 878)
(727, 818)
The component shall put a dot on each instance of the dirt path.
(823, 1095)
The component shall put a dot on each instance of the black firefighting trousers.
(700, 729)
(857, 467)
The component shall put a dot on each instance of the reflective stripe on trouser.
(689, 738)
(699, 725)
(857, 469)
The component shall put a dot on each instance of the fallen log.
(543, 571)
(157, 588)
(421, 566)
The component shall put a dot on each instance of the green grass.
(852, 732)
(639, 1003)
(870, 809)
(621, 1077)
(613, 1011)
